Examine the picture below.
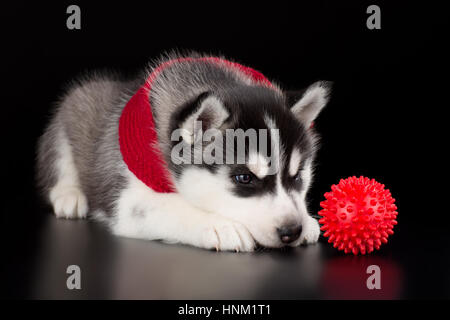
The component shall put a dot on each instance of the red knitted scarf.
(137, 134)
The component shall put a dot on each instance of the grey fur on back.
(88, 115)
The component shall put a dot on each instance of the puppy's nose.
(290, 233)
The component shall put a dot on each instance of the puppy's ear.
(307, 104)
(207, 111)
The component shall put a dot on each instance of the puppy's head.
(247, 153)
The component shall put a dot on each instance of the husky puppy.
(85, 165)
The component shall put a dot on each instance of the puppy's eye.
(298, 176)
(243, 178)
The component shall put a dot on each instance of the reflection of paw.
(226, 235)
(311, 231)
(68, 202)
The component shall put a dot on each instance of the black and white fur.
(81, 169)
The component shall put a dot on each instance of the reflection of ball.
(358, 215)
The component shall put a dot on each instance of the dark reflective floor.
(118, 268)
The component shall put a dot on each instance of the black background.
(385, 120)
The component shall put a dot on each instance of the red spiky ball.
(358, 215)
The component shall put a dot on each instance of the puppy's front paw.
(69, 202)
(311, 231)
(227, 235)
